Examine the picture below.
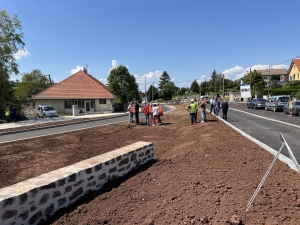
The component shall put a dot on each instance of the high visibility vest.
(150, 110)
(7, 112)
(192, 108)
(133, 110)
(160, 110)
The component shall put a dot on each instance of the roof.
(295, 62)
(272, 72)
(78, 86)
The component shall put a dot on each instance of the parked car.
(296, 109)
(276, 103)
(184, 97)
(46, 111)
(256, 103)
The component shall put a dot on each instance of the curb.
(281, 157)
(61, 125)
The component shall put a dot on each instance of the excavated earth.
(201, 174)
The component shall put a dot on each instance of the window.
(102, 101)
(92, 103)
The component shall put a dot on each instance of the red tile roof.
(297, 63)
(78, 86)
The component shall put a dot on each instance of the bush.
(284, 91)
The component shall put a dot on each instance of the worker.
(192, 110)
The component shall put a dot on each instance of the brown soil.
(202, 174)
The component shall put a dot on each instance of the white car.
(46, 111)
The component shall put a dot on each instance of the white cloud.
(78, 68)
(234, 73)
(202, 79)
(21, 54)
(114, 64)
(103, 80)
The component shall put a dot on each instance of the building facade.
(294, 70)
(80, 89)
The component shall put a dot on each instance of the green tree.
(168, 90)
(182, 91)
(256, 82)
(254, 77)
(163, 79)
(10, 43)
(122, 84)
(32, 83)
(152, 90)
(195, 86)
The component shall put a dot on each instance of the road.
(72, 127)
(262, 125)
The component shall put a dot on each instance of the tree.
(32, 83)
(10, 43)
(152, 90)
(182, 91)
(163, 79)
(122, 84)
(256, 81)
(195, 86)
(168, 90)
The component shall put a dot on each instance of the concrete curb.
(77, 121)
(282, 157)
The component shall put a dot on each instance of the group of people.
(193, 110)
(215, 106)
(152, 112)
(11, 114)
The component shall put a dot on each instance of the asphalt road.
(67, 128)
(265, 127)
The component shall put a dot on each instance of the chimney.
(85, 70)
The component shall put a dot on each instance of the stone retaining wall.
(30, 201)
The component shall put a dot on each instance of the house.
(81, 89)
(268, 73)
(294, 70)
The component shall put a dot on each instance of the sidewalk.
(57, 119)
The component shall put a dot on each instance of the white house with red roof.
(81, 89)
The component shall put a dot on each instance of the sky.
(188, 39)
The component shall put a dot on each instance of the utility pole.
(50, 80)
(145, 90)
(152, 92)
(223, 87)
(269, 84)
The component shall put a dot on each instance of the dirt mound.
(202, 174)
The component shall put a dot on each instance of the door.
(87, 106)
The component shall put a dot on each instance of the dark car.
(296, 109)
(256, 103)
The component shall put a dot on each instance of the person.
(217, 107)
(137, 111)
(155, 115)
(7, 114)
(235, 100)
(146, 113)
(129, 109)
(291, 104)
(196, 114)
(212, 104)
(161, 113)
(192, 110)
(203, 109)
(225, 107)
(13, 112)
(151, 114)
